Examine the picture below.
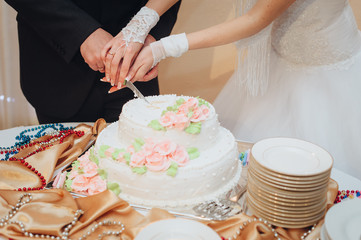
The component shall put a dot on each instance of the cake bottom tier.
(206, 178)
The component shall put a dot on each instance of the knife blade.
(135, 90)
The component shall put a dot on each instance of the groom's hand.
(92, 46)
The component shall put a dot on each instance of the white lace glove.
(171, 46)
(140, 25)
(117, 50)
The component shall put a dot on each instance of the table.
(344, 180)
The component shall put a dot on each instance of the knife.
(135, 90)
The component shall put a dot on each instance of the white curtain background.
(14, 108)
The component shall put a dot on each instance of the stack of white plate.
(343, 221)
(288, 182)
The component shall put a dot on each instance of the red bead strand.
(59, 137)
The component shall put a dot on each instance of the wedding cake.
(170, 152)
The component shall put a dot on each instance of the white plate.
(323, 233)
(343, 220)
(292, 156)
(177, 229)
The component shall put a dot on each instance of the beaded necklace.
(41, 146)
(344, 194)
(26, 136)
(275, 234)
(64, 235)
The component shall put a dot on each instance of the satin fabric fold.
(14, 175)
(51, 210)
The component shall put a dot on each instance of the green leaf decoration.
(190, 114)
(140, 170)
(175, 107)
(194, 128)
(193, 153)
(103, 174)
(102, 150)
(202, 102)
(114, 187)
(180, 101)
(68, 183)
(75, 165)
(116, 153)
(139, 141)
(92, 156)
(173, 169)
(137, 144)
(156, 125)
(127, 156)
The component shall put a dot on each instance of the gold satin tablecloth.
(51, 210)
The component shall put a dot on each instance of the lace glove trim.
(140, 25)
(171, 46)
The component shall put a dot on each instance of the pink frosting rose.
(188, 105)
(137, 159)
(84, 159)
(96, 185)
(130, 149)
(168, 119)
(73, 173)
(80, 183)
(120, 157)
(182, 121)
(200, 114)
(184, 108)
(109, 152)
(165, 147)
(148, 147)
(205, 110)
(91, 169)
(192, 102)
(157, 162)
(180, 156)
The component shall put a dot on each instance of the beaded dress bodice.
(316, 32)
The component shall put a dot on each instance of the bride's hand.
(142, 69)
(118, 57)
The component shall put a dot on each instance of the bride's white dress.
(314, 88)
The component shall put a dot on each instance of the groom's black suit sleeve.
(53, 75)
(61, 23)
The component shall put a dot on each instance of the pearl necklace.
(275, 234)
(27, 197)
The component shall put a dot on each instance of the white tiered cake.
(169, 153)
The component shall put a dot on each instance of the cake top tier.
(170, 111)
